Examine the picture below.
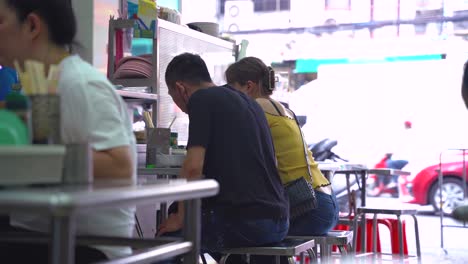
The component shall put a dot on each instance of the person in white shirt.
(91, 111)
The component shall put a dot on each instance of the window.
(263, 5)
(338, 4)
(271, 5)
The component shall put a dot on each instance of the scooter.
(322, 152)
(378, 185)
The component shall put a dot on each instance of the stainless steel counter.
(62, 203)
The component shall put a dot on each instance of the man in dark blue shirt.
(229, 141)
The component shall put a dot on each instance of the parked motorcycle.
(378, 185)
(322, 152)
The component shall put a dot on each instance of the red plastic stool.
(394, 236)
(383, 221)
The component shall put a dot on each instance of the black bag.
(301, 193)
(301, 197)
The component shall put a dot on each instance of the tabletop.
(57, 200)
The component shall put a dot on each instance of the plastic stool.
(401, 236)
(394, 236)
(369, 240)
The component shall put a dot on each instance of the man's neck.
(206, 85)
(203, 85)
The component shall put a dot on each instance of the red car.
(423, 188)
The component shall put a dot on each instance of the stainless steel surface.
(341, 166)
(63, 240)
(155, 254)
(76, 199)
(332, 238)
(394, 211)
(78, 164)
(158, 171)
(192, 230)
(163, 161)
(137, 95)
(287, 247)
(89, 240)
(389, 172)
(361, 213)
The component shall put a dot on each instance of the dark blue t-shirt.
(239, 154)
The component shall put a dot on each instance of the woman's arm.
(114, 163)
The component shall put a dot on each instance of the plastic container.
(35, 164)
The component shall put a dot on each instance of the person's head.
(252, 77)
(185, 74)
(35, 29)
(465, 85)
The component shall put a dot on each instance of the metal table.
(149, 174)
(388, 172)
(347, 169)
(63, 203)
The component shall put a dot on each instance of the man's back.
(239, 153)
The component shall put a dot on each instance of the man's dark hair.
(188, 68)
(57, 14)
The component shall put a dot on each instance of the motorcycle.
(378, 185)
(322, 152)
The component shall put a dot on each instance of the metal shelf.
(137, 95)
(144, 82)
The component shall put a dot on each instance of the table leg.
(363, 188)
(400, 235)
(62, 240)
(416, 231)
(374, 234)
(192, 229)
(363, 234)
(163, 210)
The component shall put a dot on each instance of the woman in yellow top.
(252, 77)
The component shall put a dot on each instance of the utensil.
(172, 122)
(148, 120)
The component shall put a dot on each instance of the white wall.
(93, 17)
(199, 11)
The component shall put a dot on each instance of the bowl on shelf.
(209, 28)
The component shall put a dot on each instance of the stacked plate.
(134, 67)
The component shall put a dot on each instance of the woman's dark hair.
(252, 69)
(187, 67)
(57, 14)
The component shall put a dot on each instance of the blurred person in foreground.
(91, 112)
(461, 212)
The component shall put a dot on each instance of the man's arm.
(114, 163)
(192, 168)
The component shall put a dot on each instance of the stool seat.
(331, 238)
(393, 211)
(287, 247)
(337, 238)
(398, 212)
